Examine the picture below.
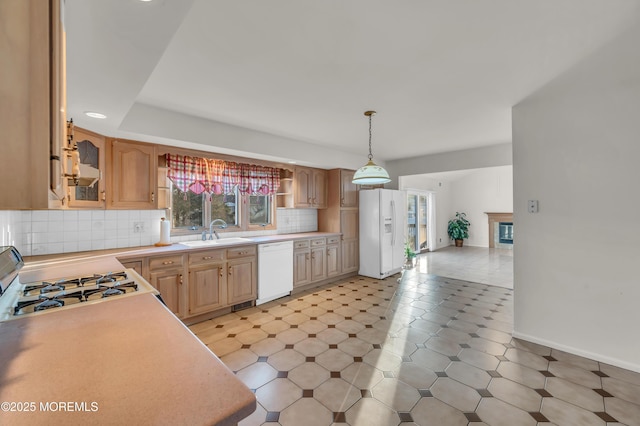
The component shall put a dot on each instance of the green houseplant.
(458, 228)
(409, 254)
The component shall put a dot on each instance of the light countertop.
(128, 361)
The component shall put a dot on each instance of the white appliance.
(382, 224)
(275, 271)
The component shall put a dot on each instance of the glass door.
(417, 221)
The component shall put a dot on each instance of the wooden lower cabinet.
(350, 256)
(241, 280)
(301, 267)
(318, 264)
(207, 288)
(170, 285)
(333, 260)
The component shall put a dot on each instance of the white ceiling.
(442, 74)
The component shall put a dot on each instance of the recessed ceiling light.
(93, 114)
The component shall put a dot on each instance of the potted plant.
(409, 255)
(458, 228)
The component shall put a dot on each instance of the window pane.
(259, 210)
(224, 207)
(186, 209)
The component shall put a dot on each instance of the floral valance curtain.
(200, 175)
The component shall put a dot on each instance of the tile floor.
(422, 350)
(481, 265)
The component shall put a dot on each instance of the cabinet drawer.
(165, 262)
(206, 256)
(318, 242)
(243, 251)
(301, 244)
(333, 240)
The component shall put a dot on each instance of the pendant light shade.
(370, 173)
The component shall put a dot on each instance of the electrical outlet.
(532, 206)
(138, 227)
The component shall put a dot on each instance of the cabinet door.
(170, 286)
(349, 224)
(301, 267)
(136, 265)
(318, 264)
(241, 280)
(319, 198)
(91, 147)
(133, 176)
(207, 288)
(302, 182)
(333, 260)
(350, 262)
(348, 190)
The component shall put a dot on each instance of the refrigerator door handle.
(393, 223)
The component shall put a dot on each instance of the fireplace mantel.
(496, 217)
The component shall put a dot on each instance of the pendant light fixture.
(370, 173)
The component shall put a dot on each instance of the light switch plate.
(533, 206)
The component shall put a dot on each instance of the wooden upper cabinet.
(91, 147)
(132, 175)
(32, 73)
(310, 188)
(348, 189)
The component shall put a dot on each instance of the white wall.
(576, 149)
(474, 192)
(481, 191)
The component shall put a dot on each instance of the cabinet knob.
(168, 262)
(220, 269)
(153, 197)
(230, 270)
(207, 258)
(180, 279)
(104, 195)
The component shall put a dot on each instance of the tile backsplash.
(38, 232)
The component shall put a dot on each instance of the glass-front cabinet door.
(88, 190)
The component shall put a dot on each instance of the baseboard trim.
(580, 352)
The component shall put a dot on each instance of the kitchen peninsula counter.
(129, 361)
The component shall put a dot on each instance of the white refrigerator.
(382, 227)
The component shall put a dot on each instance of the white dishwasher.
(275, 271)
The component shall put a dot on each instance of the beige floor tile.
(256, 418)
(350, 326)
(361, 375)
(239, 359)
(286, 360)
(295, 318)
(527, 359)
(478, 359)
(355, 347)
(487, 346)
(237, 326)
(531, 347)
(330, 318)
(372, 335)
(444, 346)
(306, 411)
(521, 374)
(280, 311)
(494, 335)
(455, 394)
(251, 336)
(454, 335)
(334, 360)
(432, 412)
(578, 395)
(382, 360)
(426, 326)
(399, 346)
(413, 335)
(267, 347)
(337, 395)
(623, 411)
(396, 394)
(574, 374)
(577, 361)
(278, 394)
(332, 336)
(369, 411)
(312, 326)
(468, 375)
(257, 375)
(414, 375)
(311, 347)
(515, 394)
(308, 375)
(563, 413)
(291, 336)
(275, 326)
(430, 359)
(498, 413)
(224, 346)
(621, 389)
(621, 374)
(314, 311)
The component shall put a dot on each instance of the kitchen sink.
(220, 242)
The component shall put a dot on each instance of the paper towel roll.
(165, 232)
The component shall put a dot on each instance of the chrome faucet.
(221, 225)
